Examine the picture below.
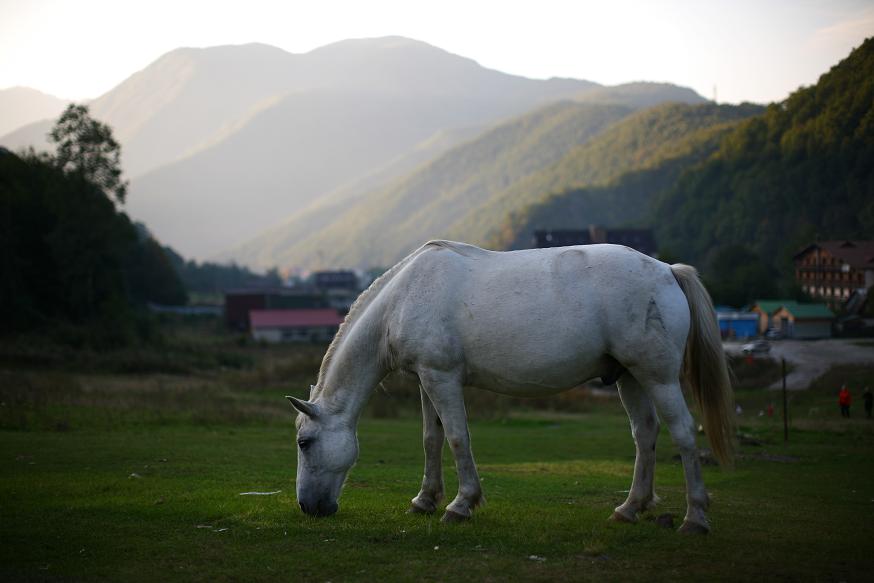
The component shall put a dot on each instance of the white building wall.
(321, 334)
(271, 335)
(811, 329)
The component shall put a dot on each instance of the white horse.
(521, 323)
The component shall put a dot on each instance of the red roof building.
(307, 325)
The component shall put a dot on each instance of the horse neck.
(356, 367)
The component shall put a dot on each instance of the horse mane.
(361, 303)
(461, 248)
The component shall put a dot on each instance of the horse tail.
(704, 369)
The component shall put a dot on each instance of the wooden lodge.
(794, 319)
(833, 270)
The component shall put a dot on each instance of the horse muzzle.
(319, 508)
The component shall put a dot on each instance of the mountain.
(221, 142)
(641, 94)
(377, 99)
(735, 191)
(584, 186)
(439, 198)
(21, 106)
(190, 97)
(263, 250)
(802, 170)
(33, 135)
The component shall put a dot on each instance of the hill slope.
(803, 169)
(219, 142)
(308, 144)
(641, 94)
(191, 98)
(21, 106)
(641, 154)
(438, 199)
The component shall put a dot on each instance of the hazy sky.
(755, 50)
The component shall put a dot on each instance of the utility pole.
(785, 411)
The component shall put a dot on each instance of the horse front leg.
(432, 440)
(445, 392)
(645, 430)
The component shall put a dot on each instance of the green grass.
(71, 507)
(137, 477)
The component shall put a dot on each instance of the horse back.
(534, 320)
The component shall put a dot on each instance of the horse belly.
(526, 364)
(525, 378)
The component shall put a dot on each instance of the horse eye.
(304, 443)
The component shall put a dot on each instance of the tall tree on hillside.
(86, 147)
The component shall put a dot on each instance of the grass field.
(137, 477)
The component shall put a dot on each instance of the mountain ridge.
(203, 179)
(21, 106)
(436, 200)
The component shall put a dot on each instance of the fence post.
(785, 411)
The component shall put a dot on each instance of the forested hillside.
(736, 197)
(222, 142)
(459, 194)
(640, 94)
(654, 144)
(68, 256)
(381, 227)
(71, 262)
(802, 170)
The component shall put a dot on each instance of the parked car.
(756, 347)
(773, 334)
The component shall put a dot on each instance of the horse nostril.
(327, 508)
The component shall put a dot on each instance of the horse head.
(327, 448)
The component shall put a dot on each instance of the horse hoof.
(450, 517)
(416, 509)
(693, 528)
(619, 517)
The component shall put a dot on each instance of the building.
(240, 302)
(804, 321)
(330, 280)
(764, 309)
(734, 324)
(302, 325)
(833, 270)
(794, 319)
(639, 239)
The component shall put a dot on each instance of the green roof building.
(794, 319)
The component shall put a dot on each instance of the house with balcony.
(833, 270)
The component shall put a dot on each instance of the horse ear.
(305, 407)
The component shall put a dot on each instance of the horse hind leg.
(431, 493)
(668, 399)
(645, 429)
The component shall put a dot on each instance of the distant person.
(844, 400)
(867, 395)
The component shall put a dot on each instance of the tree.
(152, 277)
(86, 147)
(739, 277)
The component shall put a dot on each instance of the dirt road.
(811, 358)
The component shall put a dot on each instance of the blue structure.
(737, 324)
